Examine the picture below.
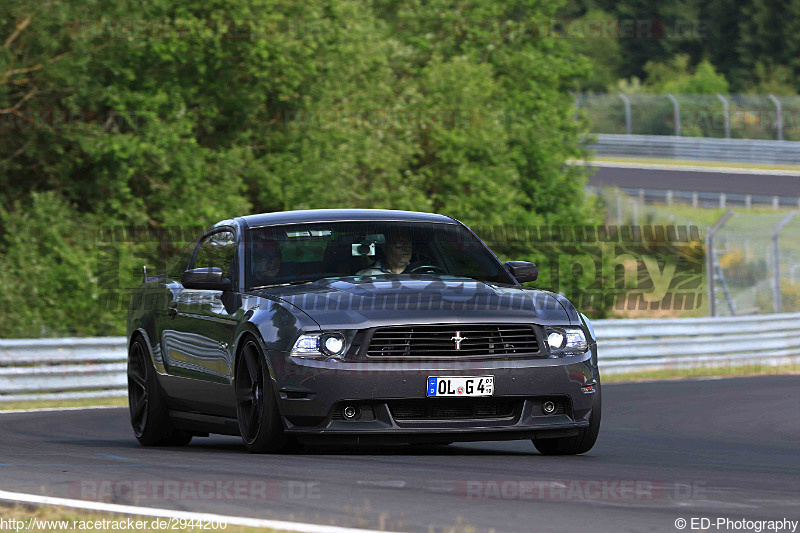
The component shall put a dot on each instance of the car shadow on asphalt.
(317, 449)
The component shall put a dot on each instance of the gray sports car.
(357, 325)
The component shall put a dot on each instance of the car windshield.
(299, 253)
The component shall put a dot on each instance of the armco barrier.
(655, 344)
(697, 148)
(95, 367)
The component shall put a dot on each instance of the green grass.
(759, 220)
(707, 217)
(49, 404)
(704, 372)
(690, 162)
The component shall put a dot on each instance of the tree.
(165, 112)
(677, 77)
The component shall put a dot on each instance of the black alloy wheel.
(148, 409)
(260, 423)
(249, 392)
(137, 388)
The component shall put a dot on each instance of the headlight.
(320, 345)
(555, 339)
(332, 344)
(566, 341)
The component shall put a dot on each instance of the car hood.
(363, 302)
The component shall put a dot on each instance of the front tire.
(581, 443)
(260, 422)
(148, 410)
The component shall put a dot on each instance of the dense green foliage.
(175, 112)
(753, 44)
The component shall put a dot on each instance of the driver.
(396, 256)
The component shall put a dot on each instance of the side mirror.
(209, 279)
(523, 271)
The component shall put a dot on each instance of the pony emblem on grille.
(458, 339)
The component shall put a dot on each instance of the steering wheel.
(429, 269)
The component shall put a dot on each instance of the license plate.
(460, 386)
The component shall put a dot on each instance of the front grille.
(442, 409)
(441, 340)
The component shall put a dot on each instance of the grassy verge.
(48, 404)
(704, 372)
(679, 213)
(691, 162)
(64, 519)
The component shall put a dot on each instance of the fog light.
(350, 412)
(549, 407)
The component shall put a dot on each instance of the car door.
(164, 305)
(199, 338)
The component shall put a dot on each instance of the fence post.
(777, 301)
(712, 305)
(627, 102)
(726, 110)
(676, 114)
(778, 115)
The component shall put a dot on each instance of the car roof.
(341, 215)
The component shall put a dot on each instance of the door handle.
(172, 312)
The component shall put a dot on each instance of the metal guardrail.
(698, 148)
(70, 368)
(655, 344)
(708, 199)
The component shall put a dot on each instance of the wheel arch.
(140, 332)
(250, 331)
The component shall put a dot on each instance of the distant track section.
(709, 179)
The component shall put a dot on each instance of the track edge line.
(180, 515)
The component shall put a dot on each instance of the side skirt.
(204, 424)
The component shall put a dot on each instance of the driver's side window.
(217, 250)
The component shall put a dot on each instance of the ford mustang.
(356, 325)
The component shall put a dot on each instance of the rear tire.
(581, 443)
(260, 421)
(148, 409)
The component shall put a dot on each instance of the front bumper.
(312, 394)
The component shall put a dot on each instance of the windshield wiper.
(286, 283)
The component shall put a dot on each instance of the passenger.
(266, 262)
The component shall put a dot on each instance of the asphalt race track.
(667, 450)
(697, 180)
